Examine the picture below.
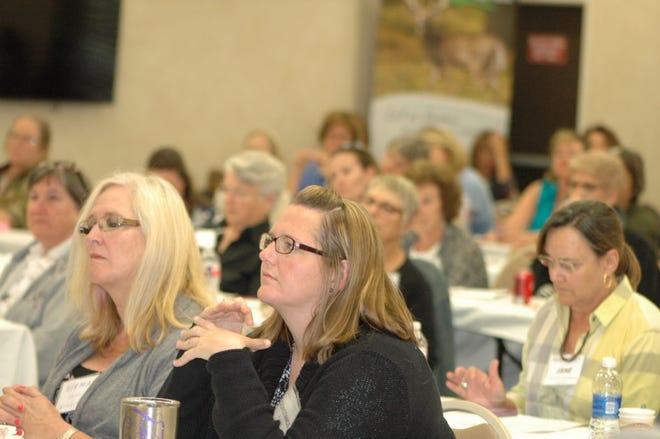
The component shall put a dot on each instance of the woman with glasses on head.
(337, 358)
(32, 290)
(595, 313)
(26, 145)
(134, 278)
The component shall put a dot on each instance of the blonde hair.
(171, 267)
(368, 298)
(606, 167)
(439, 138)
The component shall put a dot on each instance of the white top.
(34, 265)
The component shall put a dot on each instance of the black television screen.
(58, 49)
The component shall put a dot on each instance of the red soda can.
(524, 285)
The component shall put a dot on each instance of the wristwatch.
(67, 434)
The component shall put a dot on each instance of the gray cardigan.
(462, 260)
(132, 374)
(43, 309)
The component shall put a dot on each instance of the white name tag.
(71, 391)
(563, 373)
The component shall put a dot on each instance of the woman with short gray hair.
(253, 184)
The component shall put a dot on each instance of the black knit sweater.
(375, 387)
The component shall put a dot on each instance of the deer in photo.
(483, 56)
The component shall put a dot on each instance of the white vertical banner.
(443, 63)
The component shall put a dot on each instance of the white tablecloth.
(524, 426)
(18, 359)
(491, 312)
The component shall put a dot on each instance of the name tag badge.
(563, 373)
(71, 391)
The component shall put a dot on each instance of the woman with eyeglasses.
(26, 145)
(134, 278)
(595, 313)
(337, 358)
(32, 290)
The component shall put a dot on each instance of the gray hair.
(402, 188)
(258, 168)
(410, 147)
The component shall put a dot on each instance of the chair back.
(492, 429)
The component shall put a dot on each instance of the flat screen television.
(59, 50)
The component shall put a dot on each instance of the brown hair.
(368, 298)
(69, 176)
(449, 188)
(354, 122)
(601, 227)
(610, 137)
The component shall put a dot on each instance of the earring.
(607, 280)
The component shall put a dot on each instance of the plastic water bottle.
(422, 343)
(210, 260)
(607, 388)
(212, 269)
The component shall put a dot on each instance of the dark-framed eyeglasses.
(106, 223)
(285, 244)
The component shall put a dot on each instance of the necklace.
(570, 358)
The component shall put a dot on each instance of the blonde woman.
(134, 278)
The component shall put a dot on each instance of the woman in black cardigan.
(337, 358)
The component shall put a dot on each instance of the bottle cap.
(609, 362)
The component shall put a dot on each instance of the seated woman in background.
(350, 169)
(435, 238)
(338, 128)
(490, 157)
(32, 290)
(401, 153)
(641, 218)
(26, 145)
(392, 201)
(253, 182)
(444, 148)
(167, 163)
(337, 358)
(600, 138)
(259, 140)
(134, 278)
(541, 197)
(594, 314)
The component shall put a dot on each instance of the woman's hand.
(205, 339)
(229, 314)
(474, 385)
(29, 410)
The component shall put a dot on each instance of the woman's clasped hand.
(218, 328)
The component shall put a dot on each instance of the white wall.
(200, 74)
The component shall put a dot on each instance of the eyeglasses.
(586, 186)
(285, 244)
(382, 205)
(28, 140)
(106, 223)
(566, 265)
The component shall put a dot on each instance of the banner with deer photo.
(444, 63)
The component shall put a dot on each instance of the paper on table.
(480, 293)
(533, 424)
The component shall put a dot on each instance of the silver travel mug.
(148, 418)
